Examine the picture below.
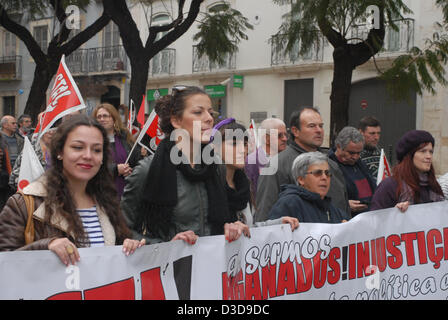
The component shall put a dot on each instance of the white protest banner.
(382, 255)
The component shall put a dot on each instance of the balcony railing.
(94, 60)
(203, 64)
(163, 63)
(401, 40)
(280, 57)
(11, 68)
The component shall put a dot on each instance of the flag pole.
(142, 133)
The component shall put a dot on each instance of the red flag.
(141, 113)
(152, 129)
(65, 98)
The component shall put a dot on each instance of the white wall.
(264, 84)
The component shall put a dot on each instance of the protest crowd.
(102, 185)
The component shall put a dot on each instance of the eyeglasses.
(103, 116)
(318, 173)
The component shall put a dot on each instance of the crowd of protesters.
(96, 191)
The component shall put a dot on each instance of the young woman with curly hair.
(75, 200)
(165, 199)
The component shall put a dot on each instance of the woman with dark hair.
(413, 180)
(121, 143)
(230, 140)
(76, 203)
(174, 195)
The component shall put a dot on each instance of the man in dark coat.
(307, 135)
(359, 182)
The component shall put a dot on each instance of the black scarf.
(161, 193)
(240, 196)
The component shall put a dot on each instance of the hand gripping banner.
(379, 255)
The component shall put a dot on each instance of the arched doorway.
(112, 96)
(370, 98)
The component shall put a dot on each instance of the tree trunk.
(37, 98)
(340, 90)
(139, 54)
(139, 77)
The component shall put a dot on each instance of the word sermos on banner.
(384, 255)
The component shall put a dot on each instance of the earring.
(59, 157)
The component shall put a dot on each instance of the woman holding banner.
(307, 200)
(75, 202)
(174, 195)
(230, 140)
(121, 142)
(413, 180)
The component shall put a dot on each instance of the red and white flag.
(30, 167)
(141, 113)
(152, 129)
(254, 133)
(65, 98)
(383, 168)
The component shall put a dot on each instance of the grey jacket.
(190, 213)
(268, 188)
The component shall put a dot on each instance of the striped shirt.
(92, 227)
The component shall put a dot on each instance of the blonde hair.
(119, 127)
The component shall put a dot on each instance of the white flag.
(383, 169)
(30, 167)
(253, 128)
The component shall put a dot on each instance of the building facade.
(255, 83)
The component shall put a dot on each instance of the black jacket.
(347, 170)
(268, 188)
(307, 206)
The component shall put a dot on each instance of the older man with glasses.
(13, 140)
(307, 200)
(360, 183)
(273, 141)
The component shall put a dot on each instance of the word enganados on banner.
(293, 268)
